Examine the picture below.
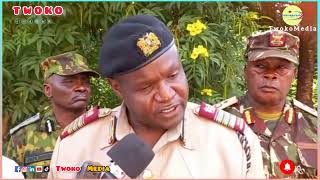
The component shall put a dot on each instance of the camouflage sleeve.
(14, 151)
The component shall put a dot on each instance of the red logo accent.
(287, 166)
(277, 39)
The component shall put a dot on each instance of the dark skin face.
(71, 93)
(155, 95)
(269, 81)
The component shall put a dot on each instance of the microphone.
(84, 174)
(130, 155)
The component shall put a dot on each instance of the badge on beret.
(149, 43)
(277, 39)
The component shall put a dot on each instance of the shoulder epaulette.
(305, 107)
(26, 122)
(222, 117)
(228, 120)
(90, 116)
(226, 103)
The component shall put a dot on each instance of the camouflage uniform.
(296, 140)
(294, 135)
(32, 141)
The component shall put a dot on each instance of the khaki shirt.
(204, 149)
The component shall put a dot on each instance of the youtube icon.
(39, 168)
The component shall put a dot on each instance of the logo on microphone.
(287, 166)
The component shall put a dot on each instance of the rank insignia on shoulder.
(90, 116)
(305, 107)
(28, 121)
(226, 103)
(222, 117)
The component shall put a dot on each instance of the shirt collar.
(123, 128)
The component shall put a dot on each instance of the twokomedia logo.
(292, 15)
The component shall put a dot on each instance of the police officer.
(286, 128)
(67, 85)
(140, 60)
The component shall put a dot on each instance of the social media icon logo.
(17, 169)
(24, 169)
(32, 168)
(292, 15)
(39, 168)
(287, 166)
(46, 169)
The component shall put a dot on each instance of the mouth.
(80, 98)
(169, 111)
(269, 89)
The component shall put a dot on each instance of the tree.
(215, 74)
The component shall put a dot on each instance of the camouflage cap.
(66, 64)
(273, 43)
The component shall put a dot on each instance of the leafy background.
(81, 29)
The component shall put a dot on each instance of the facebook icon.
(17, 169)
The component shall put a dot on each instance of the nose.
(81, 85)
(165, 93)
(270, 75)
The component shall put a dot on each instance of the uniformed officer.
(67, 85)
(140, 60)
(286, 128)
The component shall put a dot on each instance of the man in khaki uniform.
(141, 62)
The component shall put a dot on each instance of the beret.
(133, 43)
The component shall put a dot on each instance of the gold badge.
(149, 43)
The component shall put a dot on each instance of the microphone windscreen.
(84, 174)
(131, 154)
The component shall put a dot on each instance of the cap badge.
(149, 43)
(277, 39)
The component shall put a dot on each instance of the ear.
(296, 72)
(245, 71)
(115, 85)
(47, 89)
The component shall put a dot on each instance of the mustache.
(80, 95)
(269, 84)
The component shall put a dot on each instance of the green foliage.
(82, 26)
